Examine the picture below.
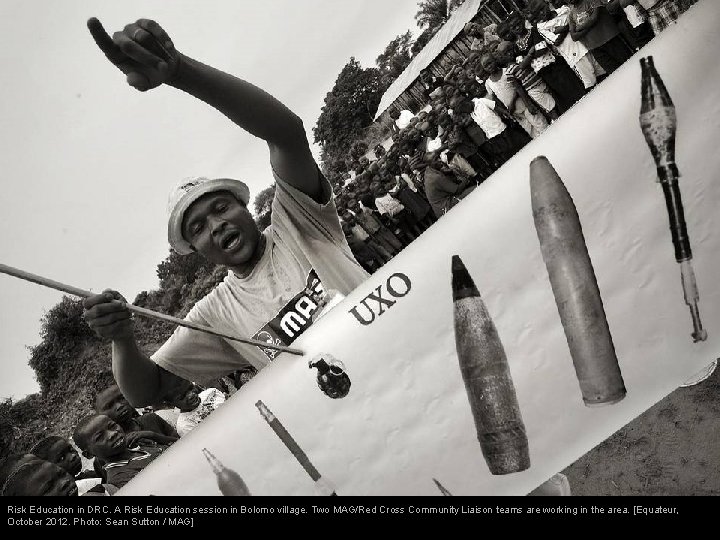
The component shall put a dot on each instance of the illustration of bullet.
(486, 375)
(322, 486)
(331, 377)
(229, 482)
(442, 489)
(658, 122)
(574, 286)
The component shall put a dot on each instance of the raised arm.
(147, 56)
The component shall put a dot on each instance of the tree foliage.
(349, 108)
(395, 58)
(181, 268)
(263, 207)
(432, 14)
(422, 40)
(63, 334)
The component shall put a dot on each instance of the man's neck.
(245, 269)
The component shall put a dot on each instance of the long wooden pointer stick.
(27, 276)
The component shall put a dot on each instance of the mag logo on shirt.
(296, 317)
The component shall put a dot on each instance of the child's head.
(59, 451)
(112, 403)
(98, 435)
(445, 121)
(36, 478)
(505, 31)
(184, 396)
(11, 462)
(504, 55)
(517, 24)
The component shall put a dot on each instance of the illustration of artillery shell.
(574, 286)
(487, 379)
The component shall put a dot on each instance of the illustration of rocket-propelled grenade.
(574, 287)
(487, 379)
(229, 482)
(331, 376)
(322, 486)
(659, 125)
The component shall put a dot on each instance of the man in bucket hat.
(277, 279)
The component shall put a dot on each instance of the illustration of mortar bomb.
(229, 482)
(574, 287)
(486, 374)
(658, 122)
(331, 377)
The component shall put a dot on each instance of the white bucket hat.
(187, 192)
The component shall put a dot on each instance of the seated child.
(59, 451)
(113, 404)
(195, 405)
(35, 477)
(10, 462)
(120, 456)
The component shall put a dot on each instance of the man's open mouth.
(230, 241)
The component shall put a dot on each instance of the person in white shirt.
(504, 137)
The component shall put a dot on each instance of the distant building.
(448, 46)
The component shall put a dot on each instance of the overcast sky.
(87, 162)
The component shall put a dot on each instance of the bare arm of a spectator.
(577, 31)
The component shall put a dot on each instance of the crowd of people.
(518, 79)
(119, 440)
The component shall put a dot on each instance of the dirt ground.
(671, 449)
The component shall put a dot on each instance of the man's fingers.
(138, 81)
(157, 31)
(104, 41)
(111, 294)
(105, 308)
(103, 298)
(111, 319)
(127, 43)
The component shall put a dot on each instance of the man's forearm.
(137, 376)
(248, 106)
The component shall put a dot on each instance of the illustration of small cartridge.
(322, 486)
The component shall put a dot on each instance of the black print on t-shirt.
(296, 317)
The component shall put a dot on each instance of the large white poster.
(407, 417)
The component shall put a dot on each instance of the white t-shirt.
(572, 51)
(210, 399)
(433, 144)
(389, 205)
(306, 256)
(485, 116)
(404, 120)
(634, 15)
